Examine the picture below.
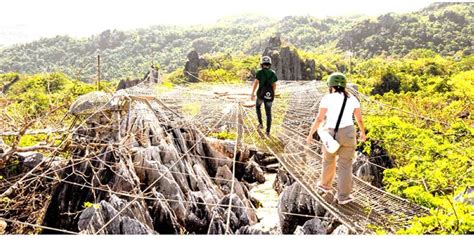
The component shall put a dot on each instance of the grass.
(166, 87)
(224, 135)
(191, 109)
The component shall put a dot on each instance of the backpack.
(266, 92)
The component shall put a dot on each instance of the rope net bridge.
(120, 152)
(294, 110)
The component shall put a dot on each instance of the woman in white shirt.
(330, 108)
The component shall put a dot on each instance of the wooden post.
(98, 72)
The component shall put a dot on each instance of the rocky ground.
(129, 168)
(130, 171)
(155, 190)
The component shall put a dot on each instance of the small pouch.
(328, 141)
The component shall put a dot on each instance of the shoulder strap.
(340, 115)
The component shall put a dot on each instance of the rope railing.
(372, 206)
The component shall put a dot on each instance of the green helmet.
(337, 79)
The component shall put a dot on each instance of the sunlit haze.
(25, 20)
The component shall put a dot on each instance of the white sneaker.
(323, 189)
(349, 199)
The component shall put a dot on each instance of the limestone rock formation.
(464, 196)
(296, 207)
(286, 62)
(123, 84)
(370, 168)
(341, 230)
(30, 159)
(193, 65)
(283, 180)
(247, 230)
(7, 86)
(145, 175)
(253, 173)
(313, 226)
(133, 220)
(151, 77)
(299, 213)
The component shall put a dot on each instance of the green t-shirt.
(265, 76)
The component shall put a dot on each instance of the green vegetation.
(229, 69)
(224, 135)
(37, 94)
(93, 205)
(417, 69)
(424, 120)
(440, 27)
(38, 101)
(446, 28)
(166, 86)
(191, 109)
(222, 68)
(419, 111)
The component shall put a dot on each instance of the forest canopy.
(445, 28)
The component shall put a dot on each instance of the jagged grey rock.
(163, 172)
(30, 159)
(224, 179)
(90, 102)
(248, 230)
(123, 84)
(370, 168)
(253, 173)
(294, 199)
(341, 230)
(218, 224)
(314, 226)
(286, 62)
(199, 214)
(164, 218)
(133, 220)
(151, 77)
(283, 179)
(264, 160)
(193, 65)
(272, 168)
(239, 215)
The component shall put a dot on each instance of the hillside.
(444, 28)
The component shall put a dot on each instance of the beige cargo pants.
(346, 137)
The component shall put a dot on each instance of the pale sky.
(30, 19)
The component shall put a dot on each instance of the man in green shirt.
(266, 80)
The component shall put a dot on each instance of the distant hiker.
(338, 107)
(266, 80)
